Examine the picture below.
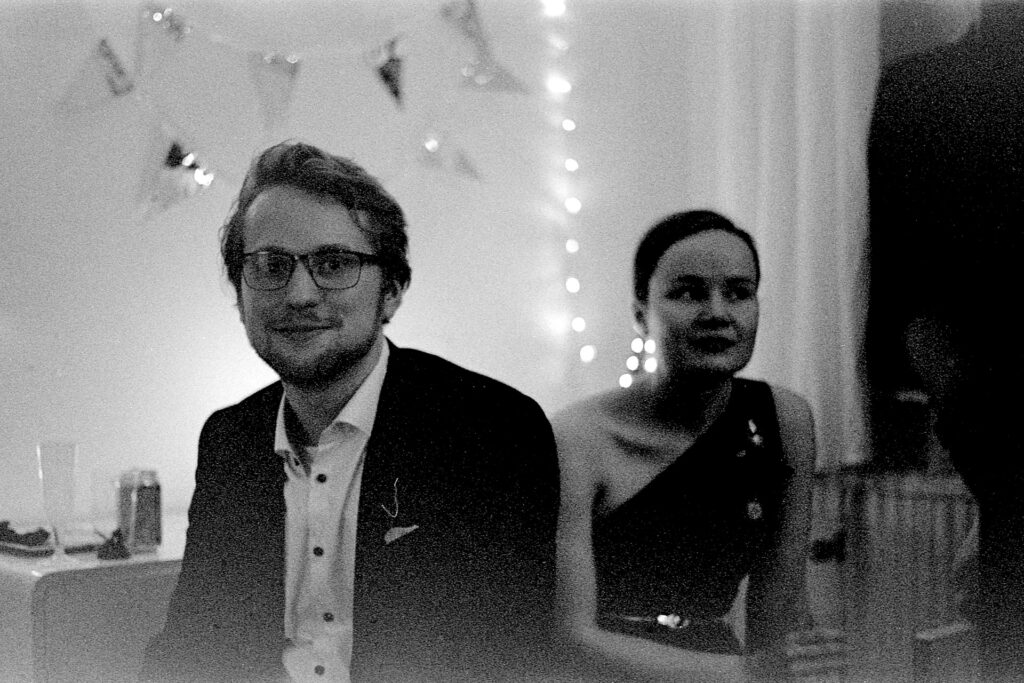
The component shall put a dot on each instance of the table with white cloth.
(85, 619)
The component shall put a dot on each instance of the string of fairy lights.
(642, 358)
(559, 89)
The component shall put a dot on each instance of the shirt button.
(328, 616)
(318, 551)
(321, 478)
(318, 670)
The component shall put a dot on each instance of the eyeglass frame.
(364, 259)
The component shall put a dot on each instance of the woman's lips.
(713, 344)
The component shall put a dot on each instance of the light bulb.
(557, 85)
(554, 8)
(202, 177)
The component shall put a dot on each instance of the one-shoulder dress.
(670, 560)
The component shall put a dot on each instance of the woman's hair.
(672, 228)
(329, 178)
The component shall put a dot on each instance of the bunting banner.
(171, 174)
(223, 97)
(386, 60)
(101, 79)
(274, 76)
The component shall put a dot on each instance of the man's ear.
(392, 299)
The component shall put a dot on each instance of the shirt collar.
(360, 412)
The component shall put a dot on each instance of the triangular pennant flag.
(274, 76)
(171, 173)
(176, 157)
(489, 75)
(160, 29)
(483, 72)
(463, 14)
(463, 166)
(387, 62)
(175, 25)
(101, 78)
(438, 153)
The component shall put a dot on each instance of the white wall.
(120, 333)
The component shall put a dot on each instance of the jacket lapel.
(387, 460)
(258, 492)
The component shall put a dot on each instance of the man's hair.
(669, 230)
(329, 178)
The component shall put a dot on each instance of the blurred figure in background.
(946, 168)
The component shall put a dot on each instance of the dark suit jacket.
(465, 596)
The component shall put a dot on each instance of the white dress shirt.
(322, 502)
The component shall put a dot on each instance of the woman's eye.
(687, 292)
(740, 293)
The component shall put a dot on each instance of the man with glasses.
(378, 514)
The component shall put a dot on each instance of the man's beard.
(328, 368)
(332, 365)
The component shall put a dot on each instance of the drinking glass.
(57, 461)
(104, 488)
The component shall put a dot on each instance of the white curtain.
(794, 89)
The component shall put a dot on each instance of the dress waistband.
(672, 621)
(691, 633)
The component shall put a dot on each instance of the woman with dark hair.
(690, 483)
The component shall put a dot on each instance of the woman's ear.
(640, 318)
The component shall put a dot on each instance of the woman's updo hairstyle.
(672, 228)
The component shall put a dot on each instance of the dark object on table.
(114, 548)
(32, 538)
(80, 548)
(31, 544)
(828, 549)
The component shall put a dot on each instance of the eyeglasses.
(334, 269)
